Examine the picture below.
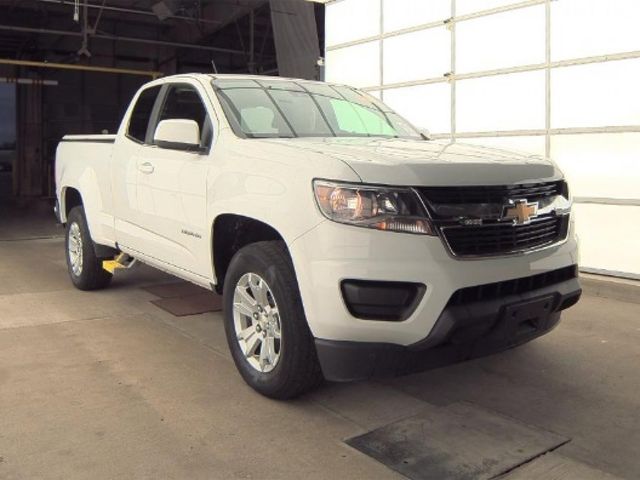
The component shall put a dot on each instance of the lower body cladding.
(383, 304)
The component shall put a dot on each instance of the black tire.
(297, 370)
(91, 275)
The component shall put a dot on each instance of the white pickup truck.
(346, 244)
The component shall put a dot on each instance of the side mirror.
(425, 133)
(178, 134)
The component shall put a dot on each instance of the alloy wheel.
(257, 322)
(74, 247)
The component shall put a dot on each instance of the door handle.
(146, 167)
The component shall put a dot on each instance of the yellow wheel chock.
(122, 260)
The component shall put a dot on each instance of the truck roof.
(236, 76)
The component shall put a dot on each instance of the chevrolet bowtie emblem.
(519, 211)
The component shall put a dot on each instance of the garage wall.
(557, 78)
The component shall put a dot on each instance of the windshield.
(286, 109)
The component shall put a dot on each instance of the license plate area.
(528, 317)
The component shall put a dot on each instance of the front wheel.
(85, 268)
(265, 325)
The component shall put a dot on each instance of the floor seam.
(99, 317)
(526, 462)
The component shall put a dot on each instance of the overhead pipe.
(129, 10)
(84, 68)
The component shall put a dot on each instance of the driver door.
(172, 187)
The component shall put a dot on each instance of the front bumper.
(462, 332)
(331, 253)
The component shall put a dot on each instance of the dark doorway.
(7, 137)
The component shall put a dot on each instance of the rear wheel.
(85, 268)
(266, 329)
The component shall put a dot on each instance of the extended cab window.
(141, 113)
(183, 102)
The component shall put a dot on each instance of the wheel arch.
(70, 198)
(230, 233)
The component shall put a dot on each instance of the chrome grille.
(501, 238)
(470, 218)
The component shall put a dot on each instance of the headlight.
(382, 208)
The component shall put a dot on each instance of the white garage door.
(559, 78)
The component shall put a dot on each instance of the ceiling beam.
(118, 38)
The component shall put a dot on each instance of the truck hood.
(415, 162)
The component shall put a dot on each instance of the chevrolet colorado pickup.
(346, 243)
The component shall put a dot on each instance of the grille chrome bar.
(449, 207)
(533, 192)
(504, 238)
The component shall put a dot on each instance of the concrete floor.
(106, 385)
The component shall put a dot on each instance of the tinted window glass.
(139, 120)
(321, 89)
(278, 108)
(302, 113)
(183, 102)
(254, 111)
(351, 119)
(280, 85)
